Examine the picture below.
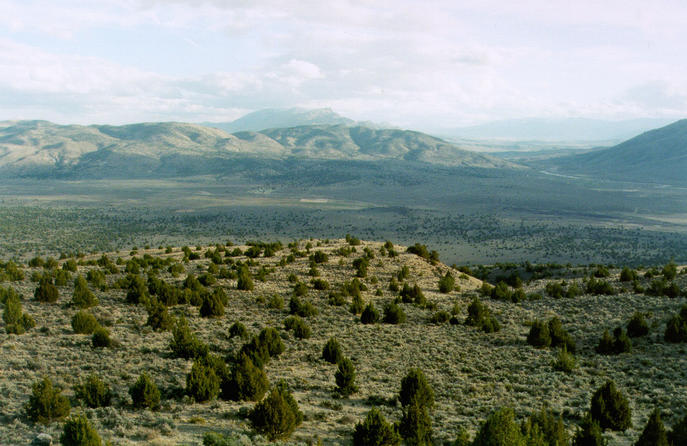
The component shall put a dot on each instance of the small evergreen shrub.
(598, 287)
(238, 329)
(654, 433)
(500, 429)
(370, 314)
(676, 328)
(678, 434)
(301, 330)
(247, 382)
(84, 322)
(637, 326)
(628, 275)
(275, 302)
(375, 430)
(320, 284)
(589, 433)
(565, 361)
(202, 383)
(101, 338)
(619, 343)
(144, 393)
(245, 279)
(440, 317)
(546, 426)
(412, 295)
(137, 290)
(480, 316)
(357, 305)
(94, 392)
(415, 389)
(345, 377)
(82, 296)
(77, 431)
(184, 343)
(301, 308)
(212, 306)
(447, 283)
(16, 320)
(46, 291)
(277, 416)
(158, 316)
(539, 335)
(46, 404)
(394, 314)
(416, 426)
(331, 352)
(610, 408)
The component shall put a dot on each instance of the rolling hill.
(657, 156)
(40, 148)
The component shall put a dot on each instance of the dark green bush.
(539, 335)
(277, 416)
(416, 426)
(144, 393)
(416, 389)
(560, 337)
(500, 429)
(247, 382)
(137, 290)
(628, 275)
(212, 306)
(394, 314)
(301, 308)
(669, 271)
(94, 392)
(678, 434)
(370, 314)
(158, 316)
(412, 295)
(447, 283)
(565, 361)
(440, 317)
(301, 330)
(16, 321)
(589, 433)
(480, 316)
(82, 296)
(46, 404)
(77, 431)
(319, 257)
(375, 431)
(637, 326)
(264, 346)
(676, 328)
(331, 352)
(245, 280)
(320, 284)
(101, 338)
(619, 343)
(597, 287)
(357, 305)
(184, 343)
(238, 329)
(345, 377)
(544, 425)
(84, 322)
(46, 291)
(610, 408)
(202, 383)
(654, 433)
(300, 289)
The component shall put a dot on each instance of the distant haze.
(419, 65)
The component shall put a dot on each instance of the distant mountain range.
(272, 118)
(573, 130)
(40, 148)
(656, 156)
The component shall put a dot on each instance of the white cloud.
(442, 62)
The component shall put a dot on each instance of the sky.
(409, 63)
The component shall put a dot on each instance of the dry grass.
(471, 372)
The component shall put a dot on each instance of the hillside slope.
(38, 148)
(657, 156)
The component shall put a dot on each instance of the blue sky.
(410, 63)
